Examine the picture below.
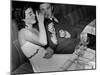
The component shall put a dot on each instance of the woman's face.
(30, 16)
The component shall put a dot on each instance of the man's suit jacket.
(64, 46)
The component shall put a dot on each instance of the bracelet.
(33, 54)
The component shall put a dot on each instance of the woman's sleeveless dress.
(41, 64)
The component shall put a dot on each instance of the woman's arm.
(41, 38)
(42, 34)
(42, 31)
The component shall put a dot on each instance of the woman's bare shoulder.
(22, 32)
(26, 33)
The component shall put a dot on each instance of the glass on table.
(84, 40)
(82, 46)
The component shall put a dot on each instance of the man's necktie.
(51, 29)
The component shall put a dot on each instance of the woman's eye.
(30, 14)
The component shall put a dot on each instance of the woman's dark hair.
(20, 14)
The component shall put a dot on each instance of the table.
(54, 63)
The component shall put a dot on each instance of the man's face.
(46, 10)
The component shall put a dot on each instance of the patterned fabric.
(51, 29)
(51, 33)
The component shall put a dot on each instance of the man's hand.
(49, 53)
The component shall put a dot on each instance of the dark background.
(59, 9)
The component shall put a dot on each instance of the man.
(61, 37)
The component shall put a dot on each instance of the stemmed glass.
(82, 46)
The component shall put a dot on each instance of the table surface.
(54, 63)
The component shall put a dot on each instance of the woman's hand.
(40, 17)
(49, 53)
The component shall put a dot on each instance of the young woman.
(29, 37)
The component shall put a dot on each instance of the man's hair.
(51, 4)
(46, 3)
